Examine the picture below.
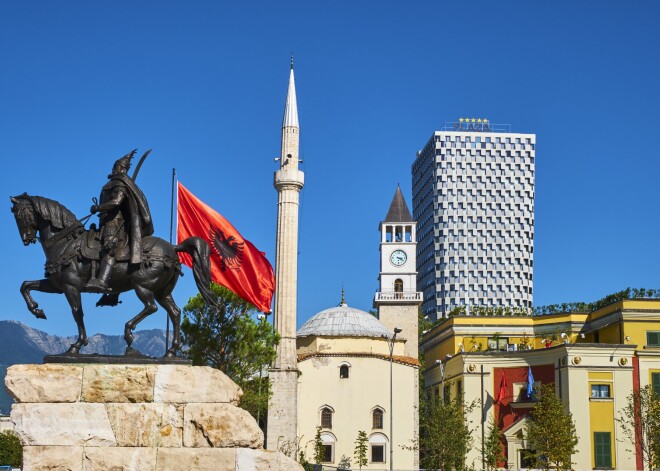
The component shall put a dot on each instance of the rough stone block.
(52, 458)
(118, 383)
(220, 425)
(196, 459)
(178, 383)
(262, 460)
(44, 383)
(150, 424)
(62, 424)
(119, 459)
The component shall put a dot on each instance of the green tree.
(227, 337)
(361, 448)
(319, 449)
(643, 406)
(494, 451)
(11, 451)
(445, 435)
(551, 432)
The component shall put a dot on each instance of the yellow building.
(595, 360)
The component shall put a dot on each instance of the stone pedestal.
(134, 417)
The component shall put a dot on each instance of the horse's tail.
(200, 252)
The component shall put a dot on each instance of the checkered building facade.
(473, 200)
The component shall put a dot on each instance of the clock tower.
(397, 300)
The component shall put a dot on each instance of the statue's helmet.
(122, 165)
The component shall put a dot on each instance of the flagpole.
(167, 330)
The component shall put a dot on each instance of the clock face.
(398, 258)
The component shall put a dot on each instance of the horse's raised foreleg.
(72, 294)
(147, 297)
(174, 313)
(44, 286)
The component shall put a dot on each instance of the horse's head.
(25, 218)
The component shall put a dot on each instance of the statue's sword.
(137, 169)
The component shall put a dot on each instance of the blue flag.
(530, 382)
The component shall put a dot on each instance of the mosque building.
(343, 358)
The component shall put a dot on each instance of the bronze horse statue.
(72, 252)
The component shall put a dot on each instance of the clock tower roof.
(399, 211)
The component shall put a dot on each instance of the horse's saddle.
(90, 246)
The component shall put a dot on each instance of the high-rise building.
(473, 200)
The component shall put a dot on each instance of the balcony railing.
(398, 296)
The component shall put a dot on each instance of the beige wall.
(349, 345)
(353, 400)
(404, 317)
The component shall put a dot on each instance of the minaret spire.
(291, 107)
(283, 375)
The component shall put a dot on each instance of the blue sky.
(203, 83)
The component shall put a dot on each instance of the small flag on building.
(235, 263)
(530, 383)
(502, 393)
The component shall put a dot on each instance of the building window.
(600, 391)
(343, 371)
(328, 447)
(655, 382)
(603, 449)
(378, 453)
(327, 454)
(377, 419)
(498, 343)
(377, 445)
(326, 418)
(653, 339)
(398, 285)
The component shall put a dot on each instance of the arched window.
(377, 418)
(326, 417)
(398, 285)
(343, 371)
(398, 288)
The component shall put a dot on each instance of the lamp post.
(390, 343)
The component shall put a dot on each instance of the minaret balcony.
(398, 297)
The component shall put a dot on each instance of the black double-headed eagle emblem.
(229, 249)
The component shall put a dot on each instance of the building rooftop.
(343, 321)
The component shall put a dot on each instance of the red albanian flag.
(502, 393)
(235, 263)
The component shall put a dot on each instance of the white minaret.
(283, 404)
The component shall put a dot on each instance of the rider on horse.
(124, 219)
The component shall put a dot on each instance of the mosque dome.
(343, 321)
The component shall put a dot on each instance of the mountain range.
(23, 344)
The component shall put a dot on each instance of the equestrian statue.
(122, 255)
